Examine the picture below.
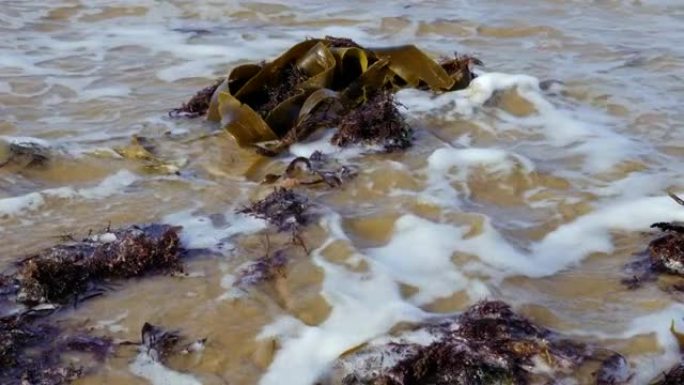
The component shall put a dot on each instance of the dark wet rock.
(375, 122)
(285, 209)
(64, 272)
(488, 344)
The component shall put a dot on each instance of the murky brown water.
(86, 75)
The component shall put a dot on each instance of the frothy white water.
(157, 374)
(420, 254)
(589, 136)
(113, 184)
(364, 305)
(200, 232)
(494, 162)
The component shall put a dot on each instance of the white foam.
(109, 186)
(157, 374)
(408, 259)
(441, 162)
(15, 205)
(569, 243)
(589, 135)
(364, 306)
(199, 231)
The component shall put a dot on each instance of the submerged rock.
(488, 344)
(63, 272)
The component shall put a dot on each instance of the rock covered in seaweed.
(488, 344)
(65, 271)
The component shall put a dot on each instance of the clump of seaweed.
(31, 353)
(198, 104)
(375, 122)
(285, 209)
(261, 270)
(674, 377)
(160, 344)
(286, 87)
(314, 170)
(488, 344)
(274, 104)
(459, 69)
(65, 271)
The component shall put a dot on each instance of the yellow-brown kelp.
(315, 84)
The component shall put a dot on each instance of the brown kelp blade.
(414, 66)
(268, 104)
(245, 125)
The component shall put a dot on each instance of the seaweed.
(198, 103)
(286, 87)
(664, 254)
(673, 377)
(341, 42)
(614, 370)
(32, 353)
(487, 344)
(143, 149)
(285, 209)
(63, 272)
(274, 104)
(376, 122)
(311, 171)
(261, 270)
(160, 344)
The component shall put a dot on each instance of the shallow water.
(530, 194)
